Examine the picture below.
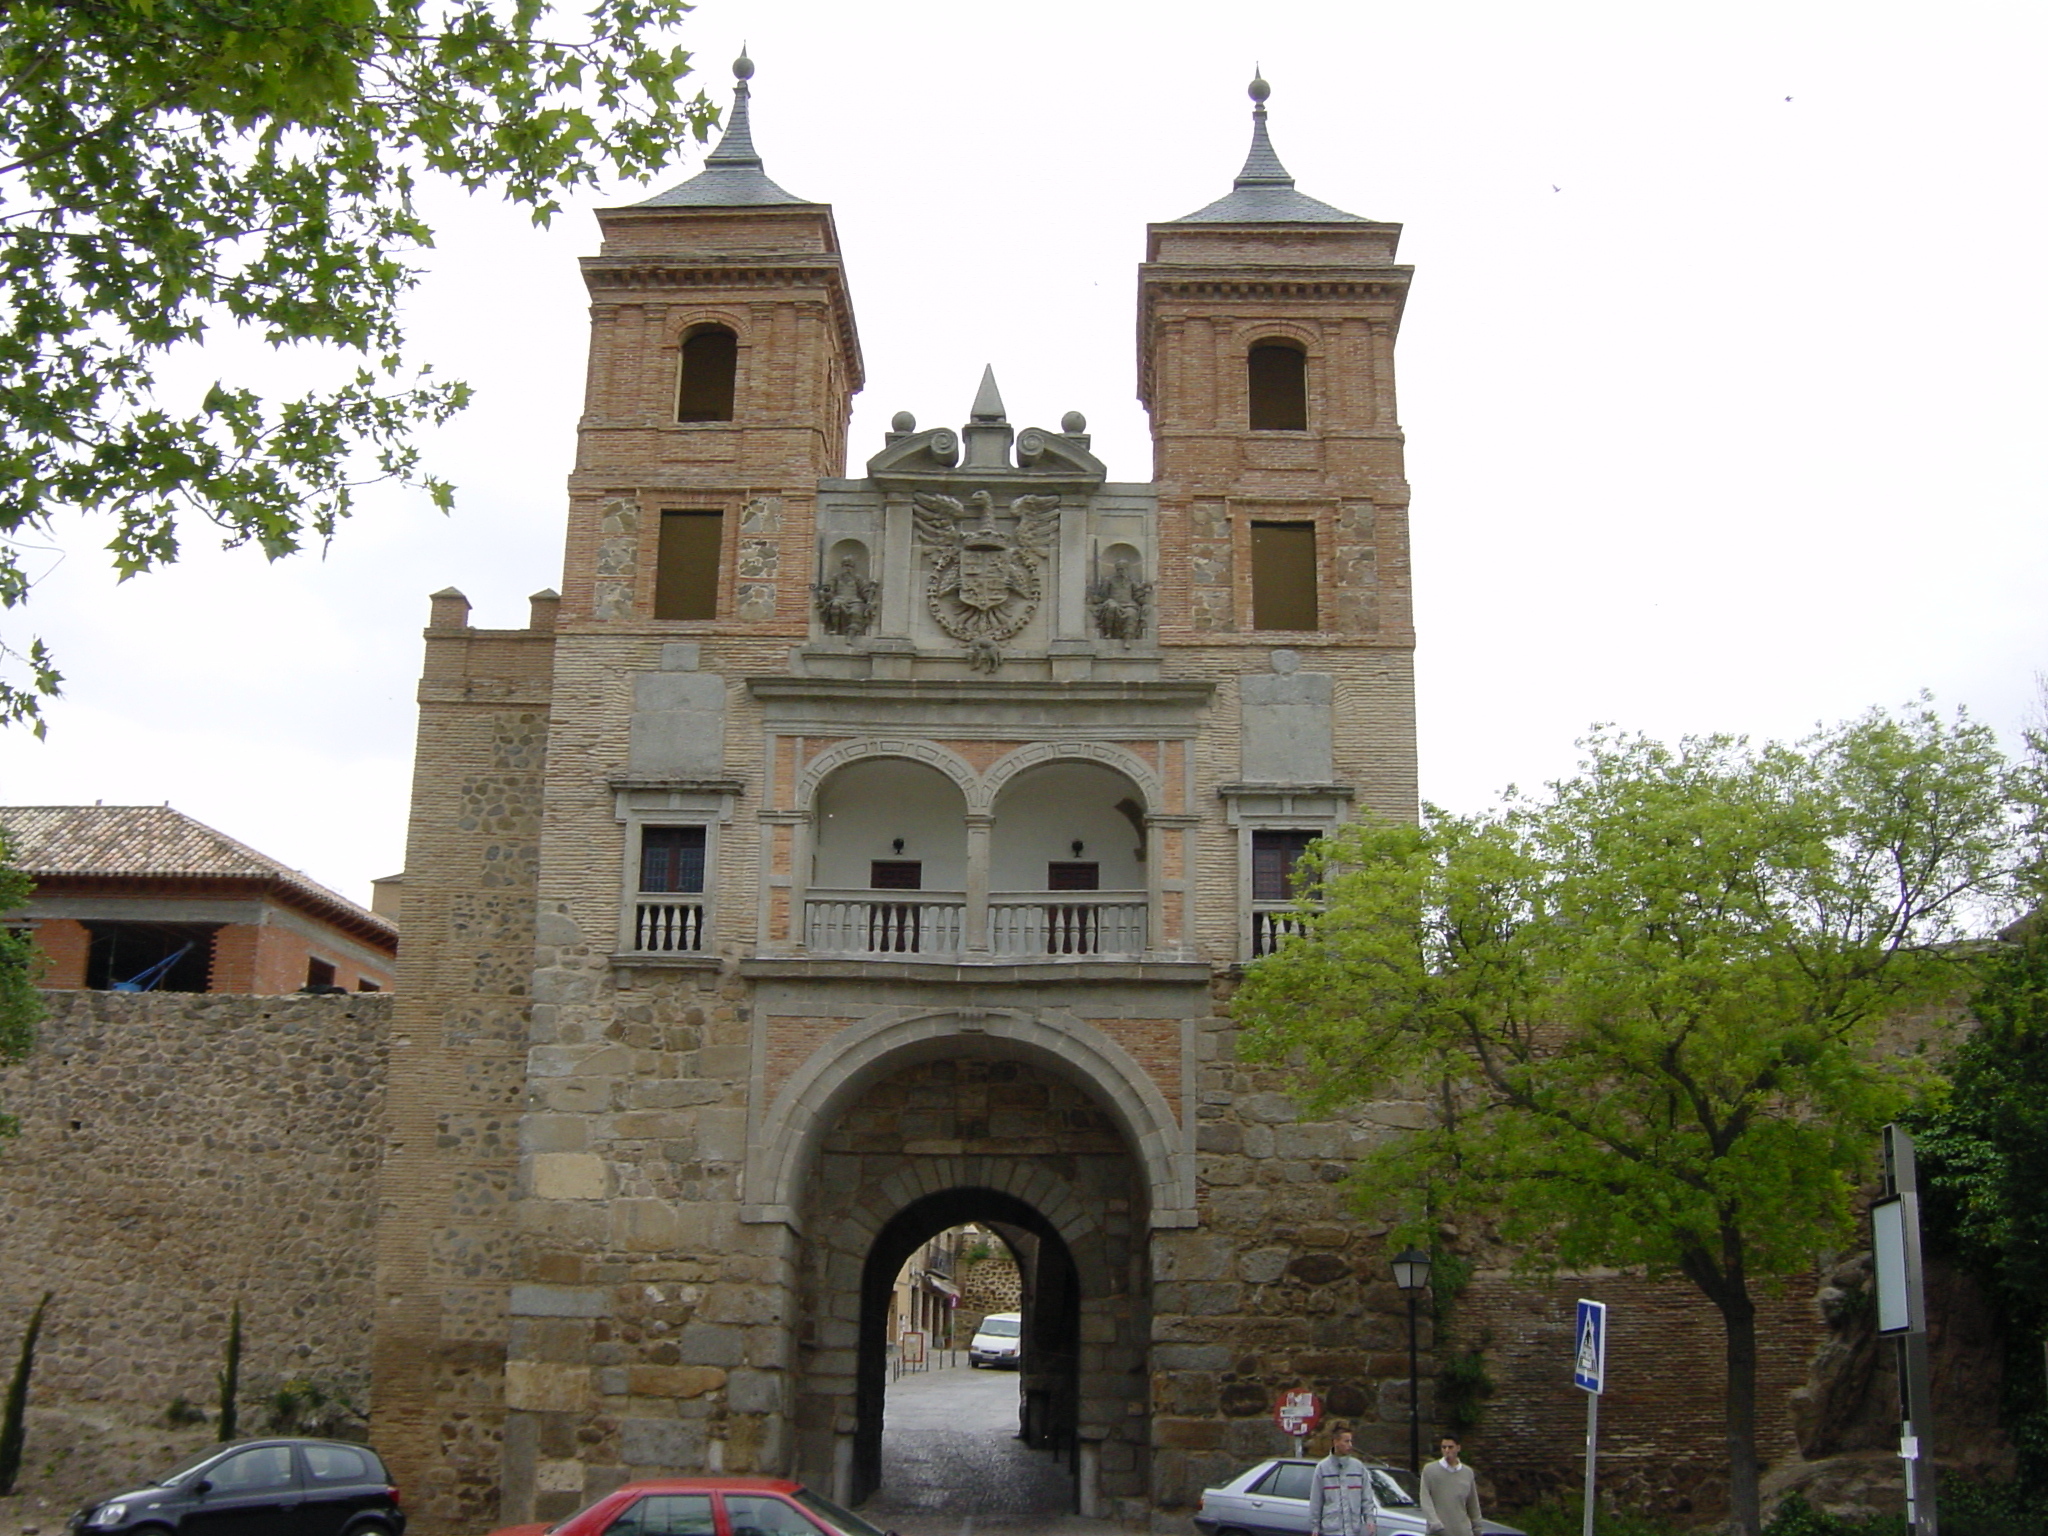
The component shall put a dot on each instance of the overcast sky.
(1722, 372)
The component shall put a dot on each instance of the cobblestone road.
(952, 1464)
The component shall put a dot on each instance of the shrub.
(1566, 1517)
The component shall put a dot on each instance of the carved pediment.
(1043, 461)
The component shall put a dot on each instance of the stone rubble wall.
(988, 1285)
(180, 1152)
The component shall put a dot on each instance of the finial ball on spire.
(1259, 90)
(903, 421)
(743, 67)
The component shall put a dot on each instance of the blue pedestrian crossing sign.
(1589, 1351)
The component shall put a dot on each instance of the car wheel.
(1231, 1530)
(370, 1528)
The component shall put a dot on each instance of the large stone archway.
(818, 1093)
(932, 1141)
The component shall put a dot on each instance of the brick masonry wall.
(65, 945)
(180, 1152)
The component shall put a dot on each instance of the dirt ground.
(71, 1455)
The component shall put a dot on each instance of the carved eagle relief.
(985, 583)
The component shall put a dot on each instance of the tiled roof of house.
(154, 842)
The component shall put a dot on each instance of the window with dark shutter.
(896, 875)
(1274, 857)
(1284, 576)
(672, 859)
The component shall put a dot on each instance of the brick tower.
(845, 859)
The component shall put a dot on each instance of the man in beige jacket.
(1450, 1494)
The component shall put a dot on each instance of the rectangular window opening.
(1067, 875)
(1275, 856)
(686, 565)
(896, 875)
(1284, 576)
(672, 859)
(149, 957)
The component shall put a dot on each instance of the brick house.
(123, 891)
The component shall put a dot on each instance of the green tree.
(21, 1007)
(1648, 1000)
(14, 1411)
(229, 1378)
(1984, 1156)
(172, 166)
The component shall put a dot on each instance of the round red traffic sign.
(1298, 1413)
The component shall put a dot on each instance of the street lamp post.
(1411, 1274)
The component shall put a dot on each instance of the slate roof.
(1263, 192)
(154, 842)
(732, 176)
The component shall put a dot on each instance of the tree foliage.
(21, 1008)
(1647, 1001)
(1984, 1169)
(14, 1410)
(172, 166)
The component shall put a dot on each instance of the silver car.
(1271, 1499)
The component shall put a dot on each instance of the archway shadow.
(997, 1473)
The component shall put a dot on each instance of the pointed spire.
(737, 146)
(732, 176)
(1262, 167)
(1263, 192)
(988, 433)
(988, 402)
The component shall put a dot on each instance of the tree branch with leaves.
(171, 167)
(1653, 995)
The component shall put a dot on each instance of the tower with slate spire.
(723, 364)
(1266, 332)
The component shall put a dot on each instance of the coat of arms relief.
(986, 581)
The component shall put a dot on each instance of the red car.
(708, 1506)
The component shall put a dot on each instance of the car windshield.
(839, 1519)
(1388, 1488)
(1001, 1327)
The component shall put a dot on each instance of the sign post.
(1902, 1315)
(1298, 1412)
(1589, 1375)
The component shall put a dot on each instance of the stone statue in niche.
(846, 601)
(1118, 603)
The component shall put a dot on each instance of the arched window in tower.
(1277, 373)
(711, 360)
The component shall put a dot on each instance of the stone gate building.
(836, 860)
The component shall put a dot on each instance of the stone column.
(979, 826)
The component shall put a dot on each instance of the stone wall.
(180, 1152)
(987, 1285)
(1826, 1391)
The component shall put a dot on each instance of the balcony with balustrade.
(1056, 870)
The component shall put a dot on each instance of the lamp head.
(1411, 1270)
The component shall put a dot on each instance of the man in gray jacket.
(1340, 1501)
(1450, 1494)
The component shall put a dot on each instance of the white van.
(998, 1341)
